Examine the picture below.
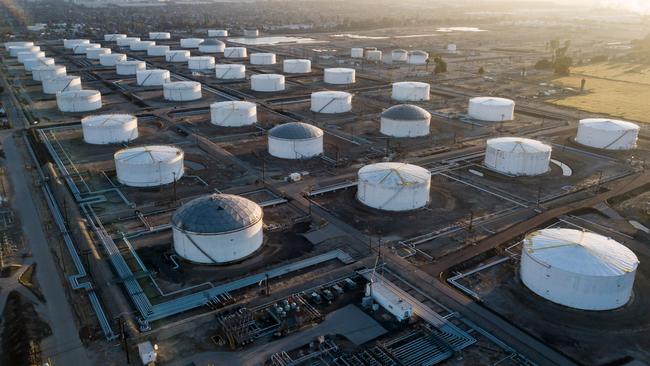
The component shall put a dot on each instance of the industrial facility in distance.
(318, 183)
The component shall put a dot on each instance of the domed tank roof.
(406, 112)
(518, 144)
(607, 124)
(211, 42)
(217, 213)
(295, 131)
(394, 174)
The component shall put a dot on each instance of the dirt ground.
(22, 332)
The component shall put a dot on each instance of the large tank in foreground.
(517, 156)
(491, 109)
(607, 134)
(217, 229)
(405, 120)
(149, 166)
(109, 128)
(295, 140)
(393, 186)
(579, 269)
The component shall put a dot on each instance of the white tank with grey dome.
(217, 229)
(295, 140)
(405, 120)
(212, 45)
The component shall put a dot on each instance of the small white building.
(389, 300)
(356, 52)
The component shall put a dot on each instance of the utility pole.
(268, 286)
(124, 343)
(174, 187)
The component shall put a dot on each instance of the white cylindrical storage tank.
(160, 35)
(295, 140)
(157, 50)
(405, 120)
(113, 37)
(251, 33)
(410, 91)
(94, 53)
(578, 269)
(331, 102)
(80, 49)
(217, 229)
(126, 41)
(79, 100)
(212, 46)
(298, 66)
(153, 77)
(608, 134)
(129, 67)
(417, 57)
(235, 52)
(262, 58)
(452, 48)
(182, 91)
(61, 83)
(393, 186)
(356, 52)
(15, 50)
(399, 55)
(217, 33)
(40, 73)
(200, 63)
(267, 82)
(191, 42)
(339, 76)
(22, 56)
(491, 109)
(70, 43)
(111, 59)
(517, 156)
(177, 56)
(109, 128)
(374, 55)
(141, 45)
(149, 166)
(230, 71)
(31, 63)
(18, 44)
(233, 114)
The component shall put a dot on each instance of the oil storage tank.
(578, 269)
(18, 44)
(61, 83)
(410, 91)
(517, 156)
(417, 57)
(111, 59)
(153, 77)
(295, 140)
(129, 67)
(14, 50)
(212, 46)
(607, 134)
(491, 109)
(70, 43)
(149, 166)
(81, 48)
(405, 120)
(159, 35)
(31, 63)
(182, 91)
(356, 52)
(230, 71)
(267, 82)
(374, 55)
(251, 33)
(196, 63)
(40, 73)
(177, 56)
(22, 56)
(191, 42)
(393, 186)
(339, 76)
(262, 58)
(296, 66)
(157, 50)
(113, 37)
(217, 33)
(94, 53)
(233, 113)
(235, 52)
(142, 45)
(105, 129)
(217, 229)
(126, 41)
(331, 102)
(79, 100)
(399, 55)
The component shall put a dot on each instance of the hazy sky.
(640, 6)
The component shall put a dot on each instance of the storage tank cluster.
(212, 46)
(410, 91)
(109, 128)
(200, 63)
(295, 140)
(331, 102)
(177, 56)
(217, 229)
(578, 269)
(296, 66)
(79, 100)
(491, 109)
(230, 71)
(607, 134)
(235, 52)
(267, 82)
(405, 120)
(152, 77)
(262, 58)
(191, 42)
(392, 186)
(233, 113)
(339, 76)
(517, 156)
(182, 91)
(129, 67)
(160, 35)
(149, 166)
(111, 59)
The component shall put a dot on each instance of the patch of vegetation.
(28, 280)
